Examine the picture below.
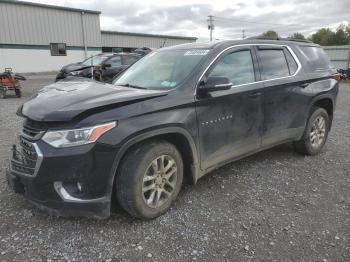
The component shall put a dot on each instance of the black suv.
(105, 66)
(178, 113)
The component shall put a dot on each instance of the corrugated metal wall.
(339, 55)
(134, 41)
(33, 25)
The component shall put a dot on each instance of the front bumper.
(68, 181)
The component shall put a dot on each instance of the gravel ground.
(273, 206)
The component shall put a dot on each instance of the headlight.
(75, 73)
(76, 137)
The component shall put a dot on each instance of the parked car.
(105, 66)
(144, 50)
(178, 113)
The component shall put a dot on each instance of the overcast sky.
(189, 17)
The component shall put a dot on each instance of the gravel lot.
(273, 206)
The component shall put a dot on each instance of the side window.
(292, 64)
(237, 66)
(128, 60)
(115, 61)
(274, 63)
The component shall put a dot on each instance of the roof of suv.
(227, 43)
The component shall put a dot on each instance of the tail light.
(336, 77)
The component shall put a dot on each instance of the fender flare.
(149, 134)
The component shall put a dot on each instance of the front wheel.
(149, 179)
(315, 134)
(18, 93)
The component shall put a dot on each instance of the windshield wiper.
(133, 86)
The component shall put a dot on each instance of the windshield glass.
(162, 70)
(96, 60)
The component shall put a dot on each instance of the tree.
(341, 37)
(323, 36)
(298, 36)
(269, 35)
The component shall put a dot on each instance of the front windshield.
(161, 70)
(95, 60)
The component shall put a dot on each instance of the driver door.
(230, 121)
(114, 66)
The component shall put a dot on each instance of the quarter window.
(237, 66)
(292, 64)
(316, 57)
(58, 49)
(274, 63)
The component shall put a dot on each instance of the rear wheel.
(149, 179)
(2, 93)
(315, 134)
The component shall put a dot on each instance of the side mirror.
(107, 65)
(215, 83)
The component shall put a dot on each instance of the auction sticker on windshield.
(197, 52)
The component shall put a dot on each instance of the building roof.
(148, 35)
(49, 6)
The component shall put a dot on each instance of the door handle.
(255, 94)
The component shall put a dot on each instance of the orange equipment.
(9, 81)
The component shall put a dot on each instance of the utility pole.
(211, 26)
(243, 34)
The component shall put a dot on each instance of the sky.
(231, 17)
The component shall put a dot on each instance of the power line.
(252, 22)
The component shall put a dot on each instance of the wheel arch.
(326, 102)
(175, 135)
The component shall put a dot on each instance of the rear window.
(274, 63)
(317, 57)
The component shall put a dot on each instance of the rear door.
(229, 121)
(284, 104)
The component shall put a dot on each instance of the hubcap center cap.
(159, 180)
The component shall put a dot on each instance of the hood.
(65, 100)
(73, 67)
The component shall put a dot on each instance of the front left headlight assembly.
(75, 73)
(76, 137)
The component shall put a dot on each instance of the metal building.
(38, 37)
(123, 41)
(339, 55)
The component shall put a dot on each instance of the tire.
(307, 144)
(18, 92)
(140, 162)
(98, 76)
(3, 94)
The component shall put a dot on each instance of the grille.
(25, 158)
(31, 131)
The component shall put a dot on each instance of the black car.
(104, 66)
(178, 113)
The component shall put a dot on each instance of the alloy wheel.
(159, 181)
(318, 132)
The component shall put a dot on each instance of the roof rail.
(260, 37)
